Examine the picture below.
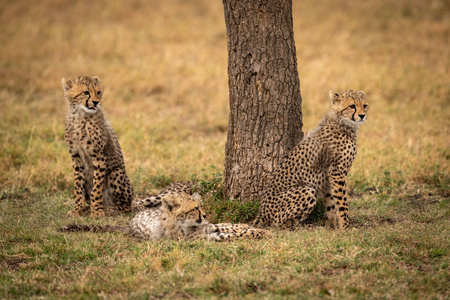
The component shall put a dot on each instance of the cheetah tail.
(92, 228)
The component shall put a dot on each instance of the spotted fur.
(100, 178)
(187, 187)
(317, 167)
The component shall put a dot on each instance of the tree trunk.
(265, 120)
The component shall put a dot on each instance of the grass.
(164, 67)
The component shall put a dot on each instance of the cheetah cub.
(317, 167)
(176, 216)
(98, 165)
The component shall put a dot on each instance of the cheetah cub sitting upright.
(98, 165)
(318, 166)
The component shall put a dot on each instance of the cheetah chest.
(147, 224)
(84, 137)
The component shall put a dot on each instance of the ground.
(164, 68)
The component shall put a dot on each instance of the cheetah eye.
(99, 93)
(365, 106)
(352, 106)
(86, 93)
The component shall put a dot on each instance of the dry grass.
(164, 66)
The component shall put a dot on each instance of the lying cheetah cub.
(318, 166)
(98, 165)
(176, 216)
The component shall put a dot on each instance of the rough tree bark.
(265, 120)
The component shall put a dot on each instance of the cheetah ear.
(96, 79)
(334, 97)
(66, 84)
(197, 197)
(362, 94)
(166, 205)
(170, 205)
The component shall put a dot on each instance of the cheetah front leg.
(339, 200)
(228, 232)
(97, 209)
(244, 234)
(79, 183)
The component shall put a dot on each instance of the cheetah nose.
(95, 103)
(361, 116)
(204, 216)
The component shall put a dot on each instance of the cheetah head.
(350, 107)
(83, 93)
(184, 209)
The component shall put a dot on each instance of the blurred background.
(164, 68)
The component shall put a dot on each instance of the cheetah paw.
(97, 213)
(78, 212)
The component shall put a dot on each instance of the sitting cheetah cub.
(318, 166)
(98, 165)
(175, 216)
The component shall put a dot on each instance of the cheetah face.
(189, 212)
(84, 93)
(351, 107)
